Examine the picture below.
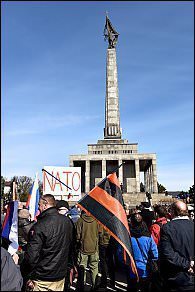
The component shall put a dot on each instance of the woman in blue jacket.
(142, 245)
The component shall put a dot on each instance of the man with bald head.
(46, 257)
(176, 250)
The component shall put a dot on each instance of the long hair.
(138, 227)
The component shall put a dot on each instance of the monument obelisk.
(108, 153)
(112, 128)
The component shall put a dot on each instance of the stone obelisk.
(112, 128)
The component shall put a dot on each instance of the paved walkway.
(120, 282)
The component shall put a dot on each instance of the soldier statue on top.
(110, 33)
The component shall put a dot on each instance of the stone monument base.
(134, 199)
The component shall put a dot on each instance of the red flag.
(105, 203)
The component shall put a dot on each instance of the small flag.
(10, 227)
(105, 203)
(33, 199)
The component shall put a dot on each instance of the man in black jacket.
(177, 250)
(46, 258)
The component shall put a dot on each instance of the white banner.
(70, 176)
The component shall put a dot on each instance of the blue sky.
(53, 83)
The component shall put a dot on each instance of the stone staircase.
(133, 199)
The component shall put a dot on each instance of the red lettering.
(73, 180)
(57, 182)
(67, 180)
(44, 183)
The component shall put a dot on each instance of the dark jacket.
(11, 279)
(176, 250)
(104, 237)
(24, 226)
(48, 247)
(87, 234)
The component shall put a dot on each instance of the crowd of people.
(65, 243)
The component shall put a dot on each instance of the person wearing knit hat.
(62, 207)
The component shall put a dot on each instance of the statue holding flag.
(110, 33)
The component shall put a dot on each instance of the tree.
(191, 193)
(24, 184)
(161, 188)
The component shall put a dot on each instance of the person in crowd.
(177, 250)
(63, 209)
(24, 226)
(138, 209)
(168, 207)
(11, 278)
(46, 256)
(191, 215)
(87, 229)
(147, 214)
(106, 263)
(74, 213)
(143, 247)
(161, 219)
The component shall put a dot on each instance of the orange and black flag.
(105, 203)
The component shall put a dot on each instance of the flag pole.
(133, 255)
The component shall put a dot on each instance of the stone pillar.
(87, 176)
(120, 172)
(149, 180)
(112, 115)
(146, 181)
(137, 174)
(151, 175)
(154, 173)
(103, 168)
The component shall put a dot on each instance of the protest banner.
(64, 183)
